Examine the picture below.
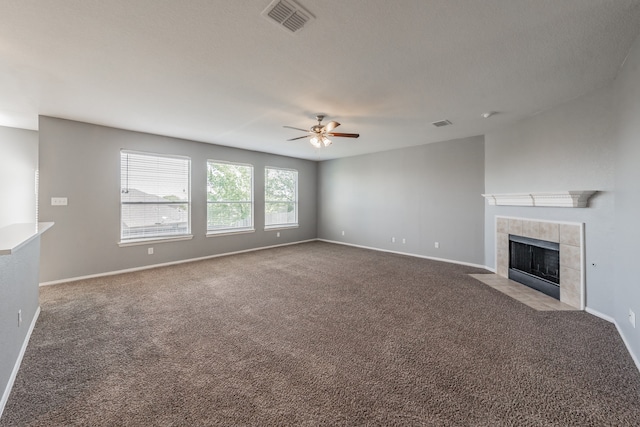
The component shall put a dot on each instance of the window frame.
(161, 237)
(296, 203)
(251, 202)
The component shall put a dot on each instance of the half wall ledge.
(557, 199)
(15, 236)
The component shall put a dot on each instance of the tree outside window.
(229, 197)
(281, 197)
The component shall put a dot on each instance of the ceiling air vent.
(441, 123)
(287, 14)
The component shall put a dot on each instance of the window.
(154, 196)
(280, 198)
(229, 197)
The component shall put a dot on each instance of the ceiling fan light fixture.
(319, 134)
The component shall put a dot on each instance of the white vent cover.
(288, 15)
(441, 123)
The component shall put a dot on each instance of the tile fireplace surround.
(570, 236)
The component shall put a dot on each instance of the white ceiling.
(217, 71)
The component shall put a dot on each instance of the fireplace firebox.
(535, 263)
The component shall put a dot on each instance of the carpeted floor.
(315, 334)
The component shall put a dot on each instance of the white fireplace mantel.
(558, 199)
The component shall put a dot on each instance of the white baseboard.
(16, 366)
(600, 315)
(624, 339)
(451, 261)
(183, 261)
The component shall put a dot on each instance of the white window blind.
(229, 197)
(280, 197)
(154, 196)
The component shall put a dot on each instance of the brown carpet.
(315, 334)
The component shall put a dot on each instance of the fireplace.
(535, 263)
(568, 282)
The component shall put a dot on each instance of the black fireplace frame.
(539, 283)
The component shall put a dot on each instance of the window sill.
(280, 227)
(165, 239)
(229, 232)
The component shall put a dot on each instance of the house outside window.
(281, 198)
(154, 197)
(229, 197)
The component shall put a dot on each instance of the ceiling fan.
(320, 133)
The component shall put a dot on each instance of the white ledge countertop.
(558, 199)
(15, 236)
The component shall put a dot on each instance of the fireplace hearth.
(535, 263)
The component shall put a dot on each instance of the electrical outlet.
(19, 318)
(404, 241)
(343, 232)
(150, 251)
(393, 240)
(436, 245)
(277, 234)
(59, 201)
(632, 318)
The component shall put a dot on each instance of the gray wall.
(18, 163)
(81, 161)
(627, 122)
(423, 194)
(568, 147)
(18, 271)
(18, 291)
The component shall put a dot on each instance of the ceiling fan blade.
(344, 135)
(291, 127)
(300, 137)
(331, 126)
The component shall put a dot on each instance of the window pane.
(151, 178)
(280, 185)
(281, 197)
(154, 220)
(229, 196)
(280, 213)
(229, 215)
(154, 195)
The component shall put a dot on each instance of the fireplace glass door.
(535, 263)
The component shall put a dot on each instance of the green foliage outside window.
(281, 196)
(229, 196)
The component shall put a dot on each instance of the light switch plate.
(58, 201)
